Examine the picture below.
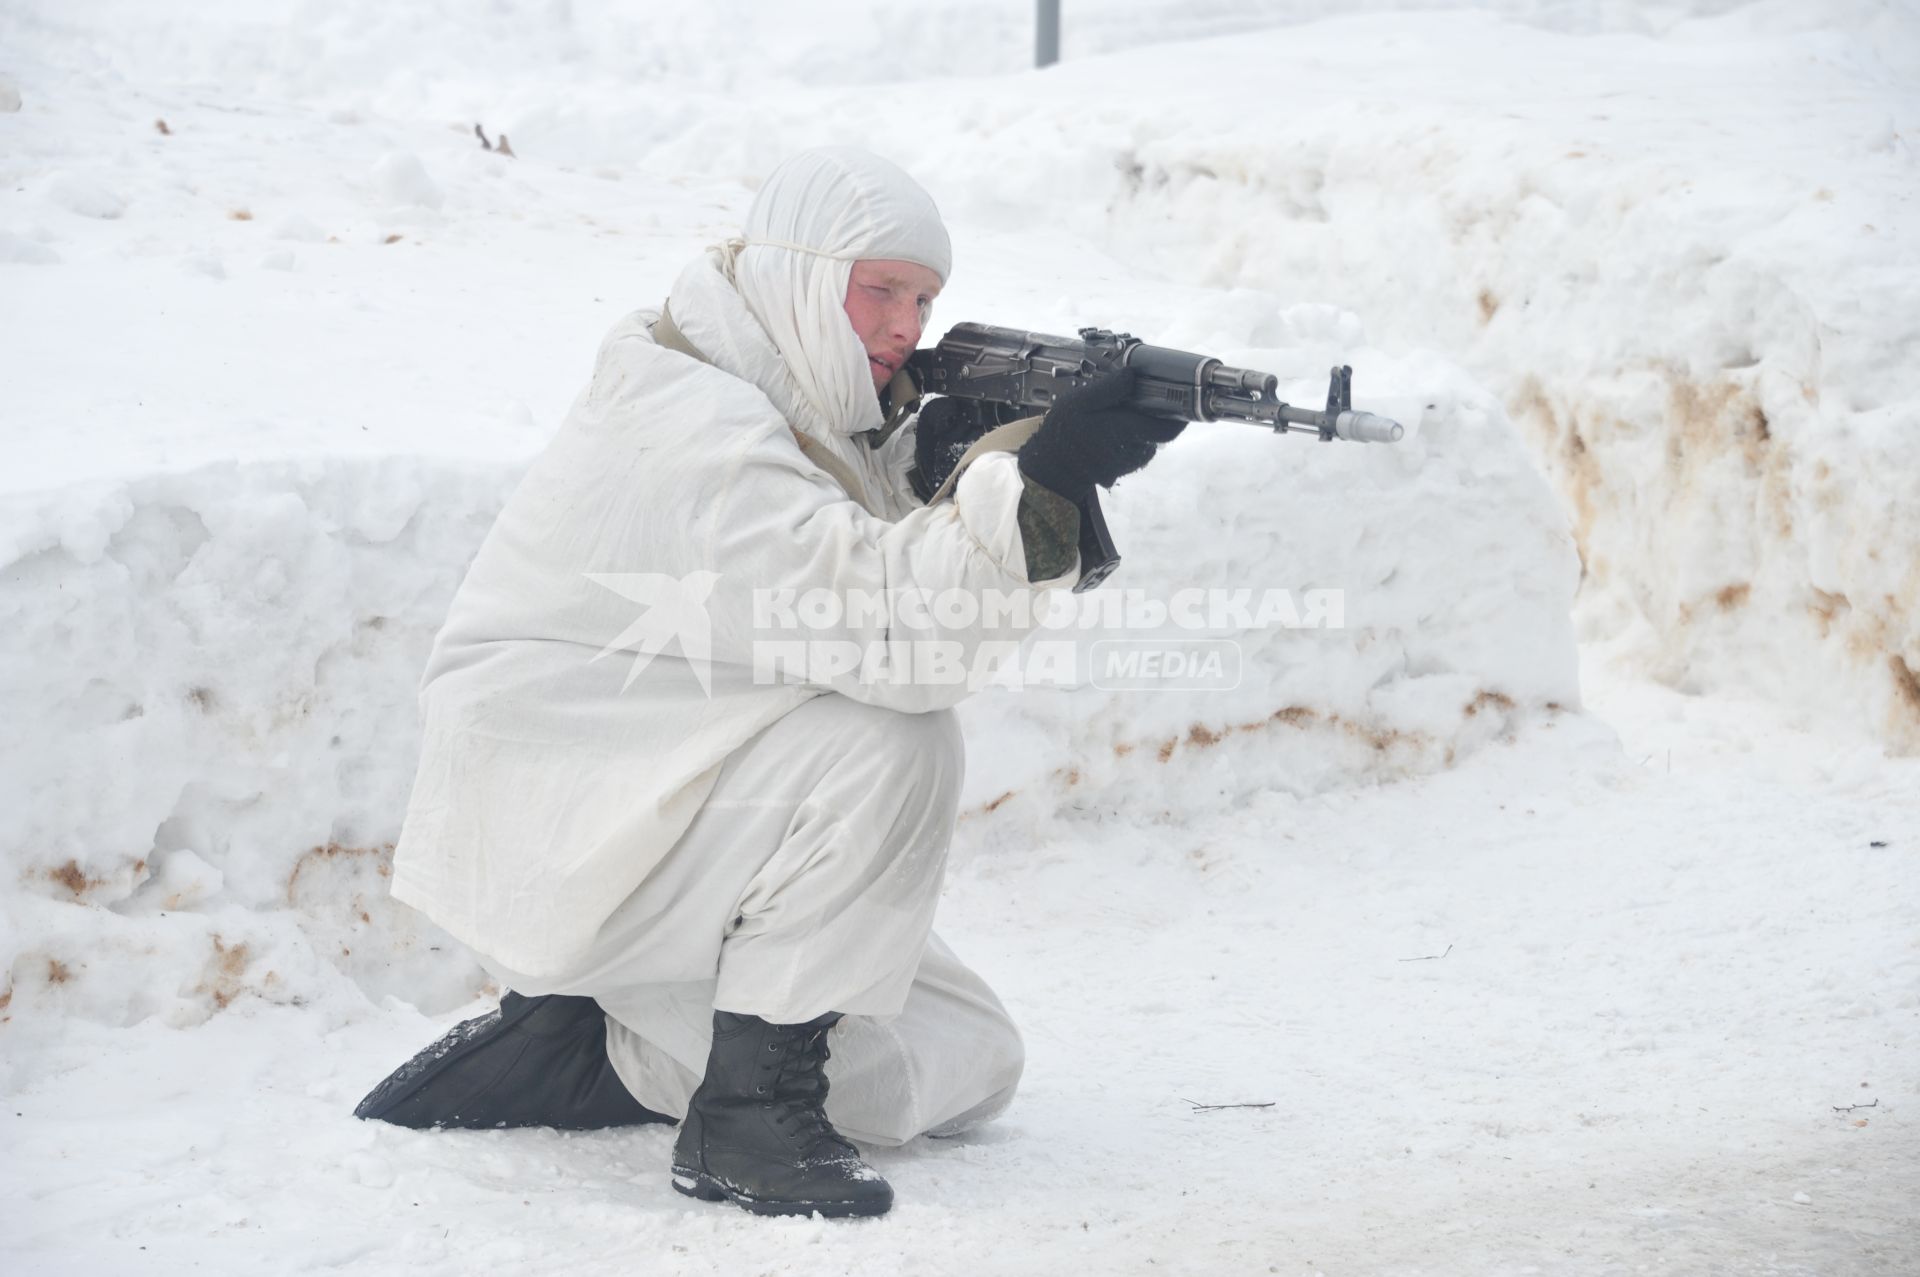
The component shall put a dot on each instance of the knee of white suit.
(906, 1077)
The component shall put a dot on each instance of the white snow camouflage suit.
(772, 849)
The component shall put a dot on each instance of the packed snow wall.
(215, 673)
(1707, 335)
(208, 679)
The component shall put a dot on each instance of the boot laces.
(800, 1081)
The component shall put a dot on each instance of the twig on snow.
(501, 149)
(1198, 1107)
(1431, 957)
(1848, 1108)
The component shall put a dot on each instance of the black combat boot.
(534, 1062)
(757, 1132)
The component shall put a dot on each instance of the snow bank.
(214, 670)
(1707, 333)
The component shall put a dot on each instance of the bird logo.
(673, 608)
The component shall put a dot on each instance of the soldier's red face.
(888, 303)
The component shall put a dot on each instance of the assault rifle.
(1009, 373)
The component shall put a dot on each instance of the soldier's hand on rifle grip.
(1092, 436)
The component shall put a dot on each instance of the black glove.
(942, 433)
(1091, 436)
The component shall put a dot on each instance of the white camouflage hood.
(817, 214)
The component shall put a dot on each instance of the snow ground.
(1667, 960)
(249, 455)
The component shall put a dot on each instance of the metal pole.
(1046, 33)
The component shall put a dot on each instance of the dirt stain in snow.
(1827, 608)
(1725, 461)
(79, 883)
(72, 878)
(1565, 445)
(1202, 736)
(333, 852)
(1906, 683)
(1711, 419)
(1487, 700)
(226, 971)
